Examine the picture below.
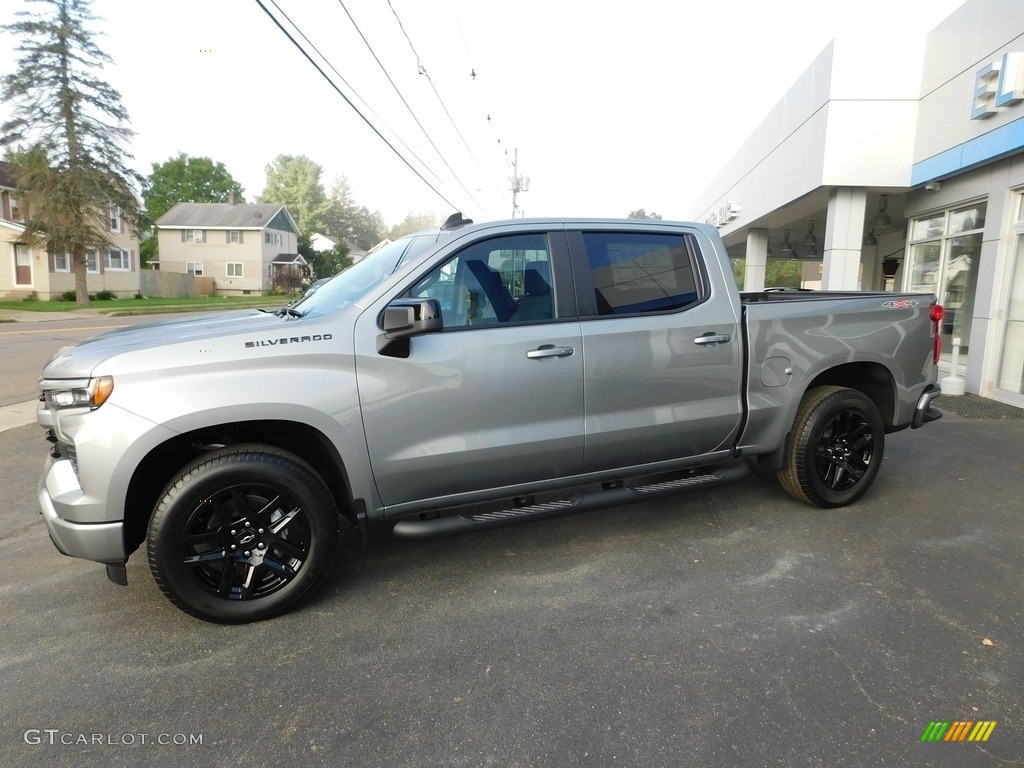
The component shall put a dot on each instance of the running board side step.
(609, 495)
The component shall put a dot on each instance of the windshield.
(359, 279)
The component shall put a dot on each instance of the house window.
(193, 235)
(235, 236)
(62, 262)
(115, 218)
(22, 264)
(234, 269)
(119, 260)
(15, 209)
(194, 268)
(273, 238)
(92, 262)
(945, 253)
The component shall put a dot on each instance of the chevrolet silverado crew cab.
(467, 378)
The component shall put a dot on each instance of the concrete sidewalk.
(17, 415)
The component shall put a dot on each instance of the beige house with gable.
(26, 272)
(247, 248)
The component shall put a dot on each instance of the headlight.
(90, 393)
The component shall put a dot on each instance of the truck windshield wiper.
(288, 311)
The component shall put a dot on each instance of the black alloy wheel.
(835, 448)
(242, 534)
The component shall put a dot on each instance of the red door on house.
(22, 265)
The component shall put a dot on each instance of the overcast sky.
(612, 106)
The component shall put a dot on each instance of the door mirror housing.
(404, 318)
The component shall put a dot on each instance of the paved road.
(26, 345)
(732, 627)
(28, 342)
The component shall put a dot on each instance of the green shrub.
(68, 296)
(105, 295)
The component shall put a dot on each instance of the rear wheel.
(241, 534)
(835, 448)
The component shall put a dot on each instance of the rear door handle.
(712, 339)
(549, 350)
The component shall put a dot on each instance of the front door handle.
(549, 350)
(712, 339)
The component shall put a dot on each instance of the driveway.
(727, 627)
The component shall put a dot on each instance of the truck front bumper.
(924, 412)
(58, 489)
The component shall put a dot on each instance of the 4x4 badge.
(900, 303)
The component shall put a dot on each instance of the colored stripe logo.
(958, 730)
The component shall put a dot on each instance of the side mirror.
(405, 318)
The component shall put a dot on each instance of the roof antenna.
(455, 221)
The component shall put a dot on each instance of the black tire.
(835, 449)
(241, 534)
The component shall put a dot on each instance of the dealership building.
(900, 168)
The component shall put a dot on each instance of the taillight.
(936, 312)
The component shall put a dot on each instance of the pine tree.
(71, 134)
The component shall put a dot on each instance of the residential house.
(27, 271)
(247, 248)
(321, 243)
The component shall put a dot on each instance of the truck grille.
(61, 450)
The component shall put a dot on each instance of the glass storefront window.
(966, 219)
(925, 228)
(1011, 368)
(924, 267)
(945, 253)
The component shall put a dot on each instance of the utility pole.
(519, 183)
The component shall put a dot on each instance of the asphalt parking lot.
(732, 626)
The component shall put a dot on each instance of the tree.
(185, 179)
(413, 222)
(779, 273)
(348, 221)
(294, 181)
(325, 263)
(71, 132)
(640, 213)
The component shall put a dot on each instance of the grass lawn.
(143, 306)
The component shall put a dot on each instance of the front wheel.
(835, 449)
(241, 534)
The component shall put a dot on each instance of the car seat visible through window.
(536, 301)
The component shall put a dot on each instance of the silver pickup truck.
(462, 379)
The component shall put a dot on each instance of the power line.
(423, 71)
(349, 101)
(406, 103)
(355, 92)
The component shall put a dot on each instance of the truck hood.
(81, 359)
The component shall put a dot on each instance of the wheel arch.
(162, 463)
(872, 379)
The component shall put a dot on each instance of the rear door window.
(637, 272)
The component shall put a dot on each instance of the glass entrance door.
(1011, 368)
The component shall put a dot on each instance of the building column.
(844, 234)
(757, 260)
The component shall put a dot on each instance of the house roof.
(222, 216)
(289, 258)
(8, 175)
